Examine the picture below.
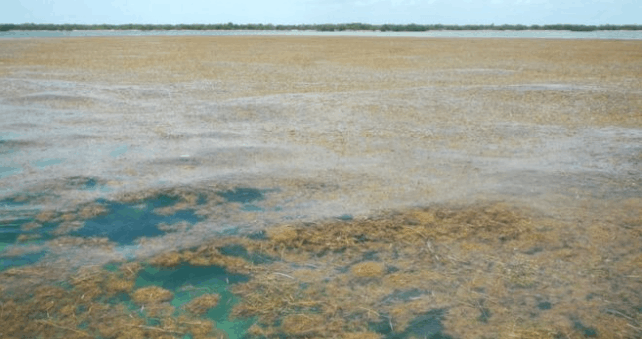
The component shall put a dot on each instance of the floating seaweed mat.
(107, 303)
(487, 269)
(440, 272)
(126, 222)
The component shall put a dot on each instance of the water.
(126, 222)
(20, 260)
(110, 174)
(618, 35)
(188, 282)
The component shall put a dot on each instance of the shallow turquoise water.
(127, 222)
(121, 223)
(20, 260)
(9, 170)
(188, 282)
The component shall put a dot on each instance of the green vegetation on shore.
(315, 27)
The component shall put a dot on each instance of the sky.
(461, 12)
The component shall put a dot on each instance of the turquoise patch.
(48, 162)
(118, 151)
(188, 282)
(7, 171)
(21, 260)
(127, 222)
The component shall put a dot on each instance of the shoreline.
(447, 34)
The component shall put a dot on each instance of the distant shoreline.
(316, 27)
(495, 34)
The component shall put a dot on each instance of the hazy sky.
(591, 12)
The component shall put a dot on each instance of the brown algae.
(84, 307)
(202, 304)
(340, 125)
(469, 271)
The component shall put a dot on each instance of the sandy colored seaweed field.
(320, 187)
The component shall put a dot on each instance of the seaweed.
(436, 272)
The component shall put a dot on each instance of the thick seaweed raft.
(489, 269)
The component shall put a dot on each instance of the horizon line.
(316, 27)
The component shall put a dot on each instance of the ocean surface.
(618, 35)
(255, 185)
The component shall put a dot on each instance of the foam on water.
(48, 162)
(6, 171)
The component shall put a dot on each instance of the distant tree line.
(316, 27)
